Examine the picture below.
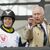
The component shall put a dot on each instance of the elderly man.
(37, 30)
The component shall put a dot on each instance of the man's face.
(7, 22)
(38, 16)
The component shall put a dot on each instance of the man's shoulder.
(48, 26)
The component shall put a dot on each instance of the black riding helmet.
(8, 13)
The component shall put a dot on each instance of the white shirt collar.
(45, 26)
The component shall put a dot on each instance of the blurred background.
(23, 9)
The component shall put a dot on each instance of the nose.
(7, 20)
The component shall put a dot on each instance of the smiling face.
(7, 21)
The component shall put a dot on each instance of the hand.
(31, 21)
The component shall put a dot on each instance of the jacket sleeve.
(29, 33)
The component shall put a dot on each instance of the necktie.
(45, 36)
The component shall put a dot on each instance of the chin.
(8, 26)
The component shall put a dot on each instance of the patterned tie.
(45, 36)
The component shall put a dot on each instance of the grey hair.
(38, 7)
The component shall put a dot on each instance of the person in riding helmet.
(8, 36)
